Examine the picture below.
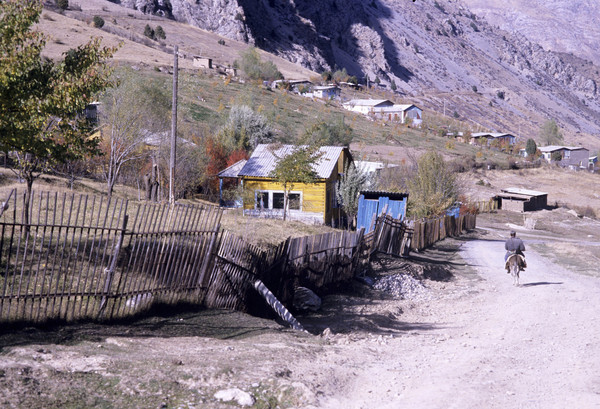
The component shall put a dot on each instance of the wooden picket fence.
(86, 257)
(426, 232)
(487, 206)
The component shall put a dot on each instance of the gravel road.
(533, 346)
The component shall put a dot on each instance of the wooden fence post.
(110, 271)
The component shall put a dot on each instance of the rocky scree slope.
(440, 54)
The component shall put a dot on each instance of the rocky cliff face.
(426, 47)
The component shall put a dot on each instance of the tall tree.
(293, 167)
(530, 147)
(352, 182)
(433, 188)
(550, 133)
(41, 101)
(245, 129)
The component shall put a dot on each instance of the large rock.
(234, 394)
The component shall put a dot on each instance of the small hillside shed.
(522, 200)
(313, 203)
(202, 62)
(230, 177)
(372, 203)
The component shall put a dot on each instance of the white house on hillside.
(386, 110)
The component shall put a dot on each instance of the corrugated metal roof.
(491, 134)
(552, 148)
(367, 102)
(526, 192)
(263, 161)
(233, 171)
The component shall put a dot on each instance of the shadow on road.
(540, 283)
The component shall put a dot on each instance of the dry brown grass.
(564, 187)
(75, 28)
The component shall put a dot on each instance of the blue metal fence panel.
(382, 202)
(402, 209)
(394, 208)
(366, 210)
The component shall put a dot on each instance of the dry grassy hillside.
(75, 27)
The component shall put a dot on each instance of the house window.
(294, 201)
(262, 200)
(278, 200)
(275, 200)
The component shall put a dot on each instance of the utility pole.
(173, 127)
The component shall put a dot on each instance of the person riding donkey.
(514, 245)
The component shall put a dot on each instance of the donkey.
(513, 265)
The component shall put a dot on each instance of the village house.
(386, 110)
(313, 203)
(326, 91)
(574, 157)
(488, 138)
(229, 178)
(202, 62)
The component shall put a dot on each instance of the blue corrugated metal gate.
(369, 207)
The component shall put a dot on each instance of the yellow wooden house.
(312, 203)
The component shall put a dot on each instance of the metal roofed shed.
(374, 202)
(231, 175)
(522, 200)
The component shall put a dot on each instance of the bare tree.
(134, 115)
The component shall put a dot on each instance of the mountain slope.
(437, 53)
(557, 25)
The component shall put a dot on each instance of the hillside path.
(533, 346)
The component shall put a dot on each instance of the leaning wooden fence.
(318, 262)
(74, 257)
(79, 256)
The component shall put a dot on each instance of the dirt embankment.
(468, 340)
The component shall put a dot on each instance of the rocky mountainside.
(557, 25)
(441, 55)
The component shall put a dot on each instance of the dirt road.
(533, 346)
(474, 341)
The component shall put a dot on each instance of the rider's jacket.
(514, 245)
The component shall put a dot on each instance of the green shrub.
(98, 22)
(256, 69)
(160, 33)
(433, 188)
(62, 4)
(149, 31)
(221, 41)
